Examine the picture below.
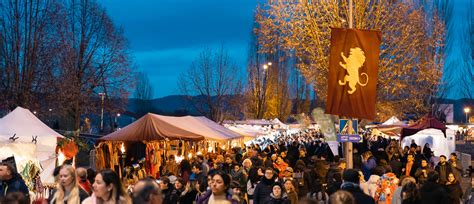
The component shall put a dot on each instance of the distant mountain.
(175, 105)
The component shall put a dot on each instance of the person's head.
(283, 154)
(220, 183)
(433, 176)
(342, 197)
(427, 145)
(442, 159)
(289, 172)
(235, 186)
(279, 160)
(406, 179)
(228, 159)
(379, 171)
(302, 153)
(276, 190)
(107, 185)
(197, 168)
(179, 183)
(200, 158)
(453, 156)
(289, 185)
(451, 178)
(409, 191)
(15, 198)
(418, 149)
(81, 173)
(410, 158)
(67, 176)
(247, 163)
(424, 163)
(351, 175)
(6, 171)
(164, 182)
(269, 173)
(342, 164)
(147, 191)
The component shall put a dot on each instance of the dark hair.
(454, 154)
(165, 180)
(143, 195)
(351, 175)
(433, 176)
(379, 171)
(225, 177)
(197, 166)
(411, 191)
(442, 156)
(201, 157)
(341, 196)
(110, 177)
(181, 181)
(185, 165)
(253, 174)
(15, 198)
(91, 175)
(56, 170)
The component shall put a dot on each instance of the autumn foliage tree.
(411, 57)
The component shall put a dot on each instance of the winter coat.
(455, 192)
(420, 176)
(15, 184)
(368, 166)
(397, 167)
(272, 200)
(263, 190)
(433, 193)
(359, 196)
(204, 199)
(443, 172)
(292, 197)
(457, 171)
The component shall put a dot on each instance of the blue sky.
(165, 36)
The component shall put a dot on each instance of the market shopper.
(147, 191)
(219, 192)
(108, 189)
(11, 181)
(68, 189)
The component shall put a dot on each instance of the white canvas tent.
(393, 121)
(439, 144)
(25, 125)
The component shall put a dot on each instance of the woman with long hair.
(107, 188)
(454, 189)
(185, 169)
(68, 190)
(219, 192)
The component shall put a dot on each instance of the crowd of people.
(298, 168)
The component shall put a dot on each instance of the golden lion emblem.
(352, 64)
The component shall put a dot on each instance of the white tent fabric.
(218, 128)
(247, 132)
(282, 125)
(393, 121)
(438, 143)
(26, 125)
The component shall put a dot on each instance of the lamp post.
(116, 120)
(50, 117)
(102, 96)
(466, 111)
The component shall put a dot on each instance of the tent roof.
(424, 123)
(158, 127)
(393, 121)
(25, 125)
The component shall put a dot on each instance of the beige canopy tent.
(152, 127)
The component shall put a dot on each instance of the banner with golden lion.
(352, 81)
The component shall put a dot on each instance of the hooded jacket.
(15, 184)
(263, 190)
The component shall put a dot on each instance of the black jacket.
(272, 200)
(263, 190)
(169, 196)
(455, 192)
(433, 193)
(360, 197)
(15, 184)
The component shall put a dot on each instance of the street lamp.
(102, 95)
(466, 111)
(116, 120)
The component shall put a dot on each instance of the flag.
(353, 72)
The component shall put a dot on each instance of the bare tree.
(411, 50)
(211, 82)
(143, 90)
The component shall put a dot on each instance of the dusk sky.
(165, 36)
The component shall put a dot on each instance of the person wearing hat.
(276, 196)
(351, 179)
(288, 174)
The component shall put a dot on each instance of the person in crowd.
(237, 193)
(443, 169)
(228, 164)
(456, 166)
(237, 174)
(397, 194)
(427, 152)
(454, 189)
(200, 177)
(373, 181)
(204, 165)
(351, 184)
(171, 166)
(264, 187)
(290, 191)
(281, 166)
(68, 189)
(11, 181)
(421, 173)
(147, 191)
(368, 164)
(288, 174)
(431, 192)
(385, 188)
(410, 194)
(167, 190)
(184, 192)
(409, 169)
(396, 164)
(255, 175)
(82, 180)
(276, 196)
(185, 170)
(342, 197)
(15, 198)
(108, 189)
(413, 144)
(91, 175)
(219, 192)
(246, 166)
